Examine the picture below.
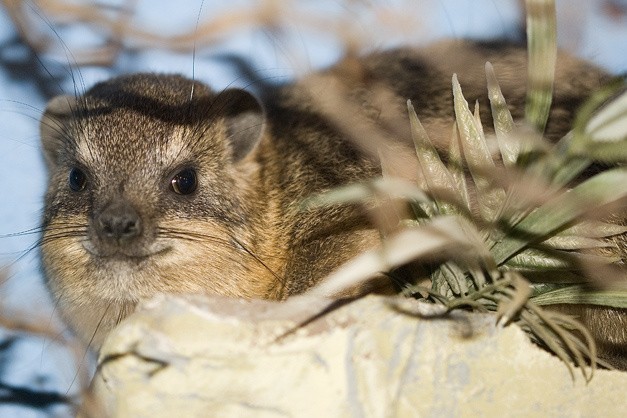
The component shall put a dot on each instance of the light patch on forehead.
(83, 150)
(165, 153)
(176, 148)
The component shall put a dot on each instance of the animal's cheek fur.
(64, 258)
(76, 293)
(207, 257)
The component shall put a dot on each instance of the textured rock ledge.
(199, 357)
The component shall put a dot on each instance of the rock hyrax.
(159, 184)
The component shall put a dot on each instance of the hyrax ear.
(53, 127)
(245, 120)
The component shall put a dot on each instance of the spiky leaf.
(604, 188)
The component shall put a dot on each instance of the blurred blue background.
(596, 30)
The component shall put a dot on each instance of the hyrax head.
(144, 194)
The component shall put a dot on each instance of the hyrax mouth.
(126, 255)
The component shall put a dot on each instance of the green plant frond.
(489, 296)
(537, 260)
(478, 276)
(477, 115)
(604, 188)
(526, 191)
(450, 196)
(562, 165)
(608, 152)
(601, 123)
(555, 260)
(503, 121)
(542, 55)
(450, 280)
(605, 135)
(600, 134)
(559, 242)
(566, 327)
(592, 229)
(510, 307)
(581, 294)
(556, 331)
(437, 176)
(394, 188)
(422, 210)
(610, 123)
(477, 155)
(456, 167)
(544, 287)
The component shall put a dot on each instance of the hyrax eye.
(184, 182)
(77, 180)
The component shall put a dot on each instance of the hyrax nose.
(119, 222)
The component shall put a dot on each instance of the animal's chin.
(124, 275)
(122, 279)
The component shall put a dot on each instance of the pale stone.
(201, 357)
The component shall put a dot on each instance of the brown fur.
(243, 232)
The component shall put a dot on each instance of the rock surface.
(199, 357)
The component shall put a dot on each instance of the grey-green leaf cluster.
(508, 224)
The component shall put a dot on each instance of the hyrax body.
(158, 184)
